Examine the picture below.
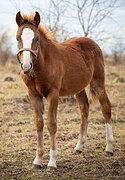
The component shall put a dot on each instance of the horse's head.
(28, 40)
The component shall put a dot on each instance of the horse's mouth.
(27, 72)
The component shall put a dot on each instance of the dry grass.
(18, 135)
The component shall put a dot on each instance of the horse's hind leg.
(84, 110)
(101, 95)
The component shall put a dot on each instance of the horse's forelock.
(28, 19)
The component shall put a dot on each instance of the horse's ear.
(19, 19)
(36, 19)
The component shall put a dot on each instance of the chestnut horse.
(50, 70)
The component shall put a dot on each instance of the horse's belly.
(74, 84)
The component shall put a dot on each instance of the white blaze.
(27, 37)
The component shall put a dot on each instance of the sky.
(9, 8)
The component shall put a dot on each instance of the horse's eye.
(17, 38)
(37, 40)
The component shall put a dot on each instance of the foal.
(51, 70)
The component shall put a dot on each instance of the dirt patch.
(121, 80)
(8, 79)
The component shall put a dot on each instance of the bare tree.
(5, 46)
(118, 51)
(91, 14)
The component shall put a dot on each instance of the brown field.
(18, 134)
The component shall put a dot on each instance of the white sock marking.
(53, 155)
(109, 138)
(80, 144)
(27, 37)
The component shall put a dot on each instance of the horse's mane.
(44, 31)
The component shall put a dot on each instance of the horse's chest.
(42, 89)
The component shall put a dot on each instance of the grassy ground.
(18, 134)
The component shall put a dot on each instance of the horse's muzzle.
(26, 68)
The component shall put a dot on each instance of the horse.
(50, 69)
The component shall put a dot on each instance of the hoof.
(109, 153)
(51, 168)
(35, 166)
(78, 151)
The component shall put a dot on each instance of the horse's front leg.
(38, 108)
(52, 126)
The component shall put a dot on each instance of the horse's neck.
(47, 48)
(40, 62)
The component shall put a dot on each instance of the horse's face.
(28, 42)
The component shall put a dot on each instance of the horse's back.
(84, 44)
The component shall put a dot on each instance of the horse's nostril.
(31, 65)
(22, 66)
